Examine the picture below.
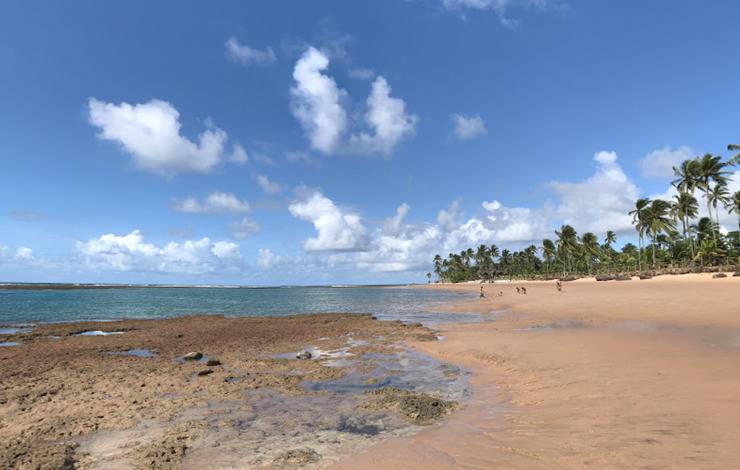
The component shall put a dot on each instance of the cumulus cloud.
(238, 155)
(266, 259)
(448, 218)
(215, 203)
(337, 229)
(659, 163)
(468, 127)
(316, 101)
(246, 55)
(269, 187)
(317, 104)
(393, 225)
(150, 133)
(388, 119)
(130, 252)
(600, 202)
(244, 228)
(24, 253)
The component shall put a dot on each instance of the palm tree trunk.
(654, 250)
(709, 210)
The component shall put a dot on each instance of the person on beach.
(481, 292)
(524, 290)
(559, 286)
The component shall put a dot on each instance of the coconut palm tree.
(438, 266)
(736, 159)
(685, 174)
(657, 219)
(716, 195)
(638, 214)
(590, 247)
(734, 206)
(685, 207)
(548, 251)
(567, 243)
(710, 169)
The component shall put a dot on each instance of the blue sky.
(313, 142)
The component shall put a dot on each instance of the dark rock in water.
(718, 275)
(205, 372)
(296, 457)
(193, 356)
(604, 277)
(418, 408)
(213, 363)
(303, 355)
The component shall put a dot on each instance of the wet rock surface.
(419, 408)
(88, 402)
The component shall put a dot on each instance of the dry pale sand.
(638, 374)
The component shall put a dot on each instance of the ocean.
(406, 304)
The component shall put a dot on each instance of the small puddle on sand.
(135, 353)
(9, 343)
(98, 333)
(14, 330)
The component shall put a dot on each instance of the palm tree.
(685, 207)
(686, 174)
(638, 214)
(657, 219)
(438, 266)
(429, 278)
(567, 243)
(609, 239)
(548, 251)
(590, 247)
(710, 169)
(718, 194)
(736, 159)
(734, 206)
(505, 260)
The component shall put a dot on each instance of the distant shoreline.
(73, 286)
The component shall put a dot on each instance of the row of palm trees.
(697, 244)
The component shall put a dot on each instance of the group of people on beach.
(521, 290)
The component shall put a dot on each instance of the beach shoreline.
(603, 375)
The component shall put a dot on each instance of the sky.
(322, 142)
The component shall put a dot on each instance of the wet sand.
(120, 394)
(631, 374)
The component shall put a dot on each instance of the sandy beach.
(638, 374)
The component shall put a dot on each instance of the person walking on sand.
(559, 286)
(481, 292)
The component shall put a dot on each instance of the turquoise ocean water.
(407, 304)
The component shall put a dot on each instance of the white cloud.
(24, 253)
(338, 230)
(266, 259)
(246, 55)
(388, 119)
(269, 187)
(244, 228)
(468, 127)
(215, 203)
(600, 202)
(316, 101)
(393, 225)
(448, 218)
(317, 104)
(129, 252)
(150, 133)
(238, 155)
(501, 7)
(659, 163)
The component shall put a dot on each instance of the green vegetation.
(670, 236)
